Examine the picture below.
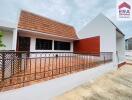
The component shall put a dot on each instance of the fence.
(19, 68)
(128, 56)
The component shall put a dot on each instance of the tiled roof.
(33, 22)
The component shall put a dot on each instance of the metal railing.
(24, 67)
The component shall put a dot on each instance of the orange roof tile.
(33, 22)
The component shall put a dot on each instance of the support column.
(14, 42)
(52, 45)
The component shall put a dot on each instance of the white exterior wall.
(49, 89)
(7, 40)
(102, 27)
(14, 41)
(33, 43)
(120, 46)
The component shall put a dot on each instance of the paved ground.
(112, 86)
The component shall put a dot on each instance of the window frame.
(43, 46)
(63, 47)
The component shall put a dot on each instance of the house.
(109, 37)
(44, 39)
(35, 33)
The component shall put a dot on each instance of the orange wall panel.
(87, 45)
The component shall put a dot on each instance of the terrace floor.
(115, 85)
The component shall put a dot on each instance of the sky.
(77, 13)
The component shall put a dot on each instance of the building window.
(130, 44)
(43, 44)
(59, 45)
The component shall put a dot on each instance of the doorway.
(23, 43)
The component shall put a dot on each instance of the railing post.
(104, 59)
(3, 66)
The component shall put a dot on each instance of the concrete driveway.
(115, 85)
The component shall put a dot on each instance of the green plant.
(1, 35)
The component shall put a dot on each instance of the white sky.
(74, 12)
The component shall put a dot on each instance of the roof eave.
(115, 26)
(120, 31)
(32, 31)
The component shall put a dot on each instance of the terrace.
(19, 69)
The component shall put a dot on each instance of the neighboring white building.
(128, 43)
(128, 52)
(10, 35)
(111, 38)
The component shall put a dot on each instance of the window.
(59, 45)
(43, 44)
